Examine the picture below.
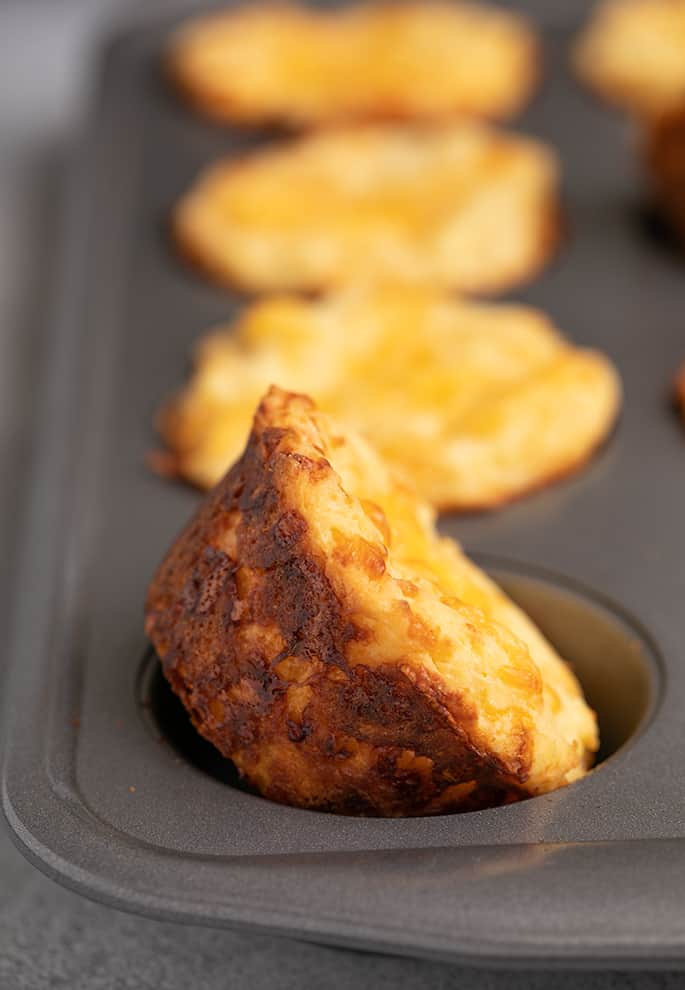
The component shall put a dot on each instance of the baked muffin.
(345, 657)
(459, 207)
(259, 63)
(633, 54)
(473, 404)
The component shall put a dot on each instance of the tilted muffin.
(472, 403)
(345, 657)
(459, 207)
(261, 63)
(633, 53)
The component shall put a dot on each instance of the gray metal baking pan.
(104, 785)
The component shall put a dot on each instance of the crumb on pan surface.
(263, 63)
(343, 655)
(472, 403)
(462, 206)
(632, 53)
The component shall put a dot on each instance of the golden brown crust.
(396, 706)
(283, 64)
(293, 661)
(461, 207)
(665, 163)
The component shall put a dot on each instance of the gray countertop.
(50, 937)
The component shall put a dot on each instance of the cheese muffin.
(460, 207)
(472, 403)
(259, 64)
(633, 54)
(344, 656)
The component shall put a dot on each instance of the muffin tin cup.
(104, 784)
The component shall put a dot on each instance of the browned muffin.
(461, 207)
(632, 52)
(473, 403)
(259, 63)
(343, 655)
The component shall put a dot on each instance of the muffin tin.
(105, 785)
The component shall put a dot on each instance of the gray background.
(48, 936)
